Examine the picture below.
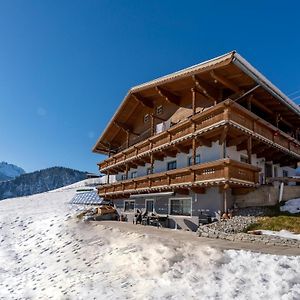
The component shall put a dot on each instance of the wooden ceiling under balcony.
(214, 82)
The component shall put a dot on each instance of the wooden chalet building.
(196, 138)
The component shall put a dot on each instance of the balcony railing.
(227, 112)
(224, 171)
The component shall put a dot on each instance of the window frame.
(180, 198)
(131, 209)
(171, 162)
(133, 176)
(190, 158)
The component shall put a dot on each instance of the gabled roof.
(221, 62)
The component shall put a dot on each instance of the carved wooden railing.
(227, 112)
(223, 170)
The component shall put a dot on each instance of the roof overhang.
(102, 145)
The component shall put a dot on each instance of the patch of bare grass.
(277, 223)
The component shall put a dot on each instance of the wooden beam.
(242, 146)
(194, 150)
(125, 128)
(193, 101)
(260, 148)
(267, 155)
(132, 165)
(225, 82)
(249, 149)
(168, 96)
(262, 107)
(171, 153)
(223, 135)
(145, 102)
(237, 140)
(182, 149)
(198, 190)
(146, 159)
(158, 156)
(203, 141)
(205, 89)
(182, 191)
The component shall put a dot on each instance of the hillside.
(48, 254)
(39, 182)
(9, 171)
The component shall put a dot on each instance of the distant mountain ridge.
(39, 182)
(9, 171)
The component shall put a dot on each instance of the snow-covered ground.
(47, 254)
(282, 233)
(292, 206)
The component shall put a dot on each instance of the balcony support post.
(152, 124)
(194, 150)
(126, 171)
(151, 162)
(249, 149)
(193, 101)
(226, 189)
(108, 176)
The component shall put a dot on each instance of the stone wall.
(233, 230)
(266, 196)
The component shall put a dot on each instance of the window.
(146, 118)
(133, 174)
(128, 205)
(181, 207)
(285, 173)
(149, 171)
(123, 177)
(159, 110)
(172, 165)
(197, 159)
(244, 159)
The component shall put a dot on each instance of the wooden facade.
(224, 100)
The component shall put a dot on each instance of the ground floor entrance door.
(149, 205)
(268, 170)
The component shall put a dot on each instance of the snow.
(46, 253)
(292, 206)
(10, 170)
(282, 233)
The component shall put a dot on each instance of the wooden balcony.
(228, 113)
(216, 173)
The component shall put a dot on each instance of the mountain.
(9, 171)
(39, 182)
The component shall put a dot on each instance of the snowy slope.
(46, 253)
(9, 171)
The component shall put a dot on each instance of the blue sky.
(65, 66)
